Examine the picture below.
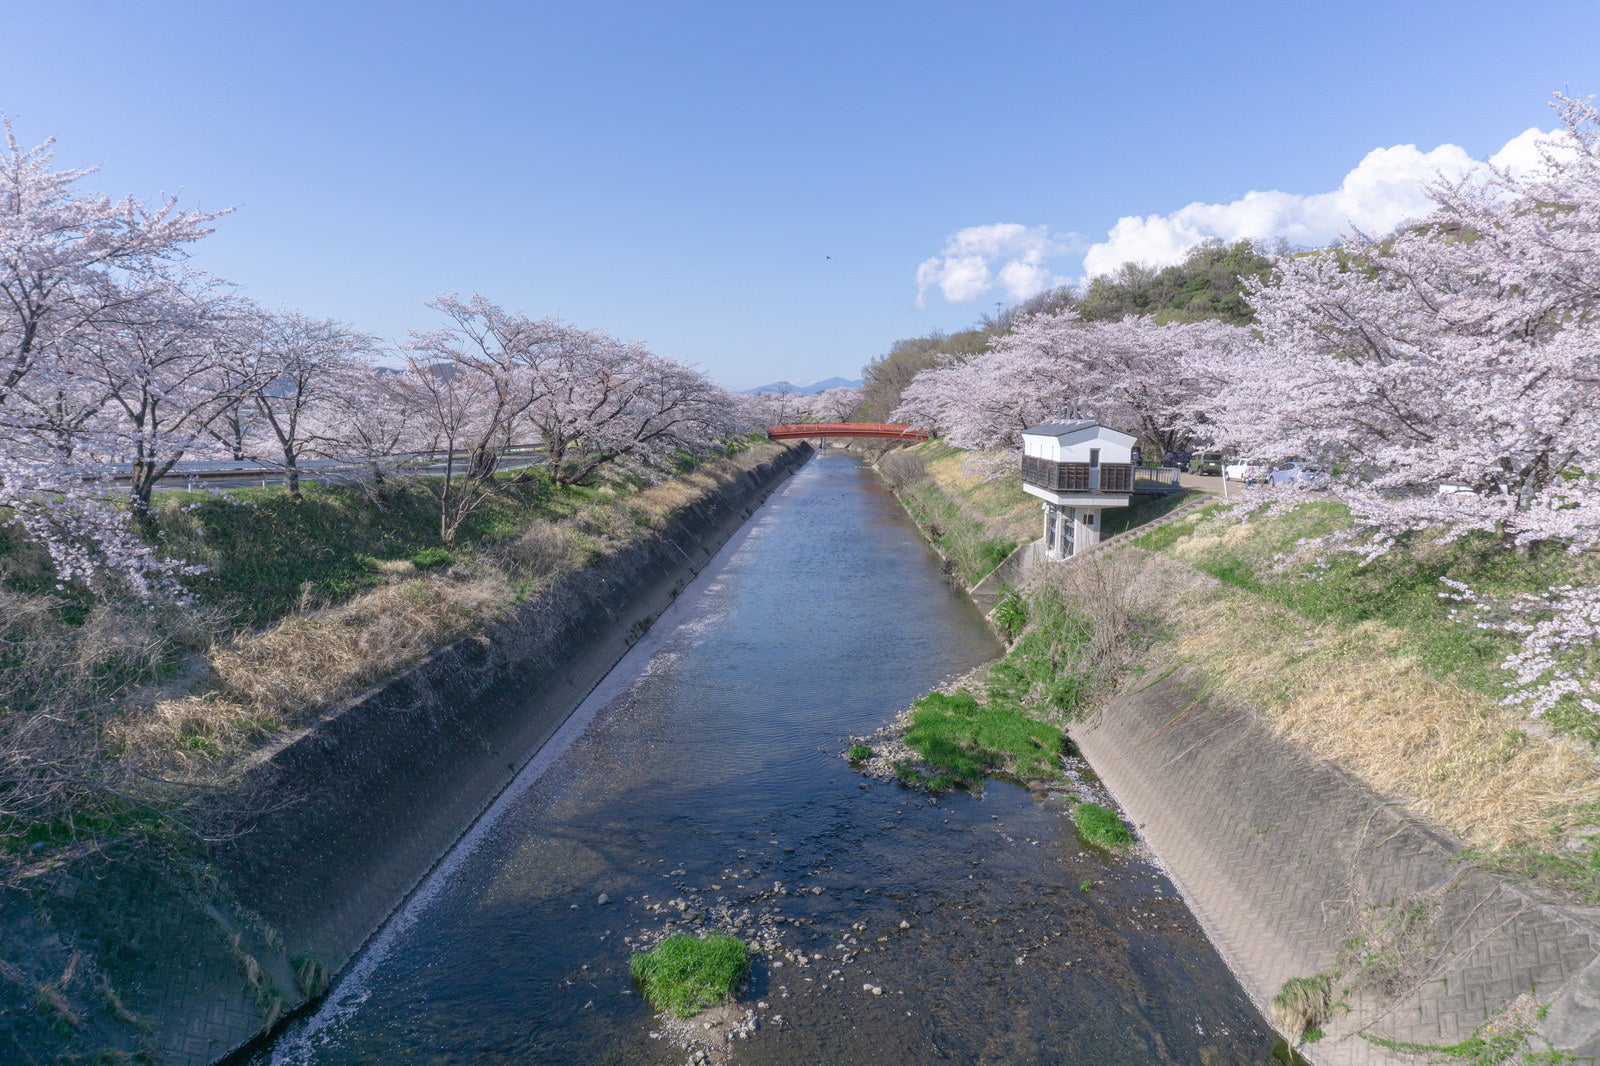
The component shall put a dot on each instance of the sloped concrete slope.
(1285, 858)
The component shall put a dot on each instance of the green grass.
(993, 498)
(110, 817)
(1044, 669)
(969, 547)
(858, 753)
(266, 553)
(1011, 729)
(1504, 1041)
(1572, 871)
(432, 559)
(685, 974)
(1011, 613)
(988, 554)
(1100, 826)
(962, 739)
(908, 773)
(1164, 537)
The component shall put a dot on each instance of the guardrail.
(218, 474)
(817, 430)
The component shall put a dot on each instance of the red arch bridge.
(814, 430)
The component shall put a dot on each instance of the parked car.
(1300, 475)
(1205, 463)
(1248, 471)
(1177, 459)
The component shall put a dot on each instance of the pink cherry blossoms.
(1451, 372)
(114, 355)
(82, 278)
(1135, 374)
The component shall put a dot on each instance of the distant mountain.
(807, 390)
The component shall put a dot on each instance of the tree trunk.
(483, 463)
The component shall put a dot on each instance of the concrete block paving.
(1284, 858)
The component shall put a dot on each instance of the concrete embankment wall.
(1284, 857)
(377, 792)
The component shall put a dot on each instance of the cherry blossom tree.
(780, 407)
(1147, 378)
(1452, 372)
(71, 265)
(608, 400)
(452, 403)
(1459, 352)
(370, 416)
(62, 252)
(157, 357)
(505, 354)
(236, 429)
(299, 365)
(831, 405)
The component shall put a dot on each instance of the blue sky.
(682, 173)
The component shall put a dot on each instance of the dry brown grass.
(263, 684)
(1353, 696)
(1103, 588)
(659, 502)
(279, 678)
(309, 660)
(969, 479)
(60, 686)
(539, 552)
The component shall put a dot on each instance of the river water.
(702, 787)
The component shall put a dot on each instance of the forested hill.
(1208, 284)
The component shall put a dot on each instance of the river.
(702, 785)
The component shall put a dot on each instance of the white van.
(1248, 471)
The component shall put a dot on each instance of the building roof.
(1061, 429)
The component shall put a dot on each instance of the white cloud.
(1385, 189)
(1006, 254)
(1524, 153)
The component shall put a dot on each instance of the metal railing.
(1157, 479)
(1076, 477)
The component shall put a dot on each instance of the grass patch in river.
(685, 974)
(961, 739)
(1100, 826)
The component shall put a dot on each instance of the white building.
(1078, 468)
